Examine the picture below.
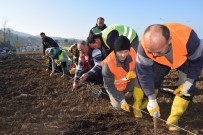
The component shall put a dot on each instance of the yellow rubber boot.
(145, 101)
(138, 95)
(179, 106)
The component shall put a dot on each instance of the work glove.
(125, 106)
(152, 107)
(183, 88)
(72, 71)
(131, 75)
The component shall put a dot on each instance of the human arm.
(77, 74)
(145, 72)
(97, 58)
(78, 71)
(111, 38)
(53, 66)
(145, 76)
(195, 59)
(195, 56)
(109, 85)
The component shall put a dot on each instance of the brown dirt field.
(33, 103)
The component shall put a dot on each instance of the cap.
(121, 43)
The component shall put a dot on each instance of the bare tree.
(4, 26)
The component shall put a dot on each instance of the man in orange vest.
(118, 70)
(164, 47)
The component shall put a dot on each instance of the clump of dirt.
(31, 102)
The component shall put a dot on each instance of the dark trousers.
(160, 71)
(96, 78)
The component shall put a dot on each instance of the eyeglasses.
(163, 50)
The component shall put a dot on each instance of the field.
(33, 103)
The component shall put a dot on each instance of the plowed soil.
(33, 103)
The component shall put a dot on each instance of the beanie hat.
(121, 43)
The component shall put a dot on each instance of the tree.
(1, 38)
(4, 26)
(17, 43)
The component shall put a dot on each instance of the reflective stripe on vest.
(122, 30)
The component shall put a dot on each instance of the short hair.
(84, 43)
(42, 33)
(92, 37)
(162, 28)
(100, 18)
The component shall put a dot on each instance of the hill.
(28, 40)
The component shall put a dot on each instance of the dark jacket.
(47, 43)
(96, 29)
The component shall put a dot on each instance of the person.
(74, 53)
(47, 42)
(59, 58)
(89, 68)
(99, 26)
(105, 39)
(164, 47)
(118, 70)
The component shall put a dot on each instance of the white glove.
(152, 107)
(186, 86)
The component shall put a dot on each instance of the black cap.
(121, 43)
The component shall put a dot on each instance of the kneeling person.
(118, 70)
(59, 58)
(89, 68)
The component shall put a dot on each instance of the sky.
(75, 18)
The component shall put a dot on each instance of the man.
(74, 53)
(88, 68)
(47, 42)
(59, 58)
(99, 26)
(105, 39)
(118, 70)
(165, 47)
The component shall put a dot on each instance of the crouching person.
(59, 58)
(118, 70)
(89, 68)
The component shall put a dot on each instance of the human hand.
(152, 107)
(83, 77)
(183, 88)
(58, 62)
(51, 74)
(131, 75)
(125, 106)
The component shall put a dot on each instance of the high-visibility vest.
(118, 72)
(179, 36)
(60, 57)
(122, 30)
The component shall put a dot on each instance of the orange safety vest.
(119, 72)
(179, 35)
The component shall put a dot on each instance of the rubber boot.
(179, 106)
(145, 100)
(138, 95)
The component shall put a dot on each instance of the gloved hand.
(183, 88)
(152, 107)
(125, 106)
(72, 71)
(131, 75)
